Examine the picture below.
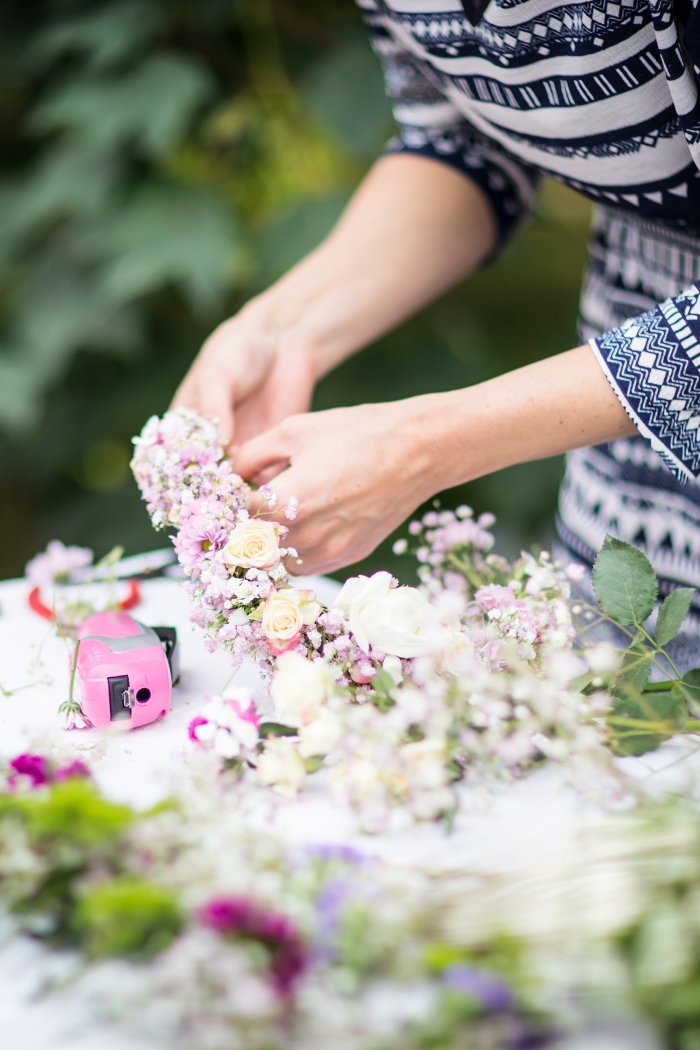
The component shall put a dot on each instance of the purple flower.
(333, 851)
(490, 992)
(33, 766)
(243, 917)
(76, 768)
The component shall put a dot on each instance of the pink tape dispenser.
(126, 670)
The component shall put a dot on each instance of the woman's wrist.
(293, 322)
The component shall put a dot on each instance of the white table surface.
(514, 832)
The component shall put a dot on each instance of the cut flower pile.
(201, 927)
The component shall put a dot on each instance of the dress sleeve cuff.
(653, 364)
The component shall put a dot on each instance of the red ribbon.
(132, 599)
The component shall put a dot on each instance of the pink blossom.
(290, 511)
(246, 714)
(199, 536)
(493, 596)
(56, 562)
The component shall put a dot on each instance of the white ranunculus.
(299, 688)
(320, 736)
(399, 621)
(281, 767)
(253, 544)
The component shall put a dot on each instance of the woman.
(603, 96)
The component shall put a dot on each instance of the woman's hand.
(413, 228)
(248, 378)
(357, 473)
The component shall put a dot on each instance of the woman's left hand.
(357, 473)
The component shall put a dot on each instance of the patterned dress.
(603, 96)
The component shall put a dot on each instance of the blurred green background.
(159, 163)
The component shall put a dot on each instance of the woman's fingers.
(208, 392)
(268, 451)
(216, 399)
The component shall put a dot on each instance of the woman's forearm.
(413, 229)
(359, 472)
(546, 408)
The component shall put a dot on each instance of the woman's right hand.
(248, 379)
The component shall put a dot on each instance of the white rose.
(299, 688)
(398, 620)
(253, 545)
(280, 766)
(458, 653)
(320, 736)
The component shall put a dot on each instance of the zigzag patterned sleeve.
(431, 126)
(653, 365)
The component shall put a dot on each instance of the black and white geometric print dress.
(603, 96)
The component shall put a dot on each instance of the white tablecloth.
(523, 825)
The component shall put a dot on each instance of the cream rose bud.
(253, 544)
(398, 620)
(284, 614)
(281, 767)
(299, 688)
(320, 736)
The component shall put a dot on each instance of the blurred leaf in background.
(159, 163)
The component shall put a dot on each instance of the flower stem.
(73, 666)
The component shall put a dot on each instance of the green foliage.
(645, 720)
(72, 812)
(127, 916)
(158, 164)
(67, 830)
(661, 950)
(644, 713)
(672, 614)
(624, 582)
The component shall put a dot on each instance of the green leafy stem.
(644, 713)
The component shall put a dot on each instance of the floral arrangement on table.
(401, 693)
(198, 927)
(195, 925)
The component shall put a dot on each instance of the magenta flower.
(76, 768)
(33, 766)
(243, 917)
(194, 724)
